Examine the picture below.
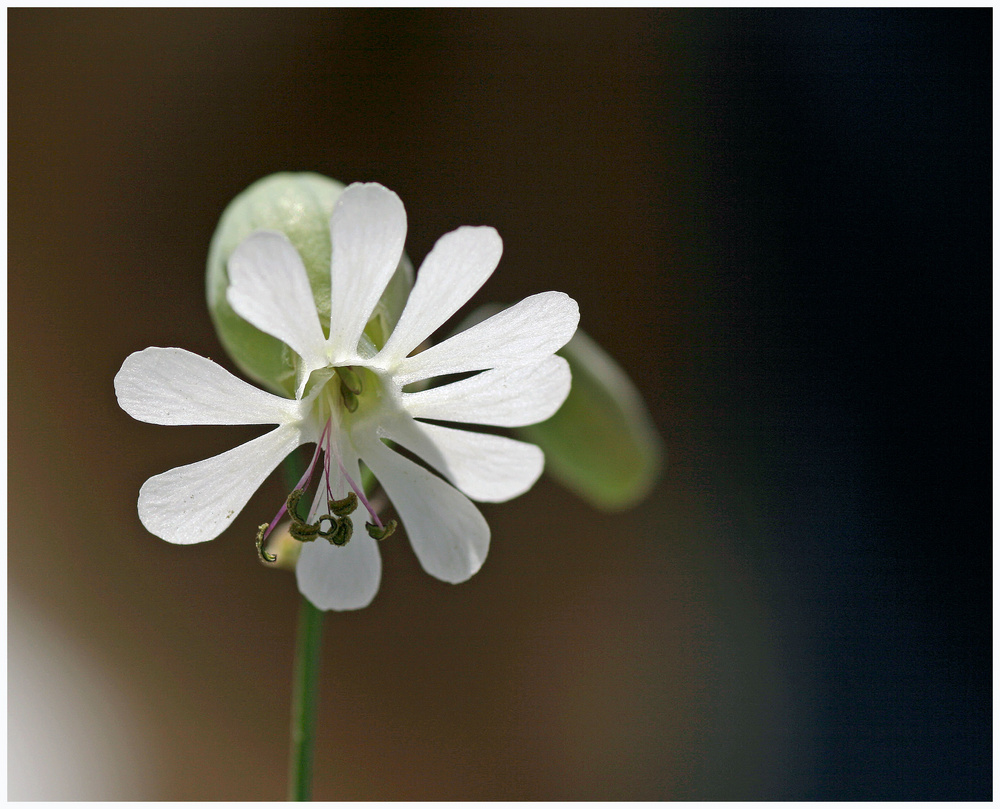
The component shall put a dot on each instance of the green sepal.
(298, 205)
(601, 444)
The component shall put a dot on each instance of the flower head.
(351, 399)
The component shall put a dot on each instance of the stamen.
(292, 504)
(303, 531)
(339, 527)
(349, 379)
(381, 531)
(340, 531)
(326, 468)
(350, 400)
(261, 536)
(342, 508)
(358, 490)
(264, 531)
(350, 387)
(326, 518)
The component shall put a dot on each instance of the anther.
(303, 531)
(341, 533)
(376, 532)
(350, 387)
(349, 379)
(264, 555)
(342, 508)
(350, 400)
(292, 504)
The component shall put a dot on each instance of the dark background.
(779, 222)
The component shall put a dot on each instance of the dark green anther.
(341, 533)
(303, 531)
(340, 528)
(349, 379)
(293, 504)
(264, 555)
(350, 400)
(342, 508)
(381, 533)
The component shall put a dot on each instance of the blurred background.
(778, 222)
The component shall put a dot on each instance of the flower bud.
(602, 443)
(298, 205)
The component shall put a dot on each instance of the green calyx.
(298, 205)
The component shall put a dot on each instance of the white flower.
(350, 398)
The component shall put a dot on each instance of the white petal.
(453, 271)
(448, 534)
(367, 231)
(270, 289)
(174, 386)
(524, 334)
(488, 468)
(195, 503)
(344, 578)
(503, 397)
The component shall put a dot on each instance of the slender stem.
(305, 674)
(305, 696)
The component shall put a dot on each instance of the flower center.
(343, 392)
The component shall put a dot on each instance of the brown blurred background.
(777, 222)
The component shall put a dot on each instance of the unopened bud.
(298, 205)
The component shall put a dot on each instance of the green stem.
(305, 676)
(305, 696)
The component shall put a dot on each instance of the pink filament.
(331, 450)
(358, 490)
(303, 481)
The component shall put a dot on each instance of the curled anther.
(300, 529)
(341, 532)
(341, 508)
(381, 533)
(264, 555)
(334, 524)
(293, 505)
(339, 528)
(303, 531)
